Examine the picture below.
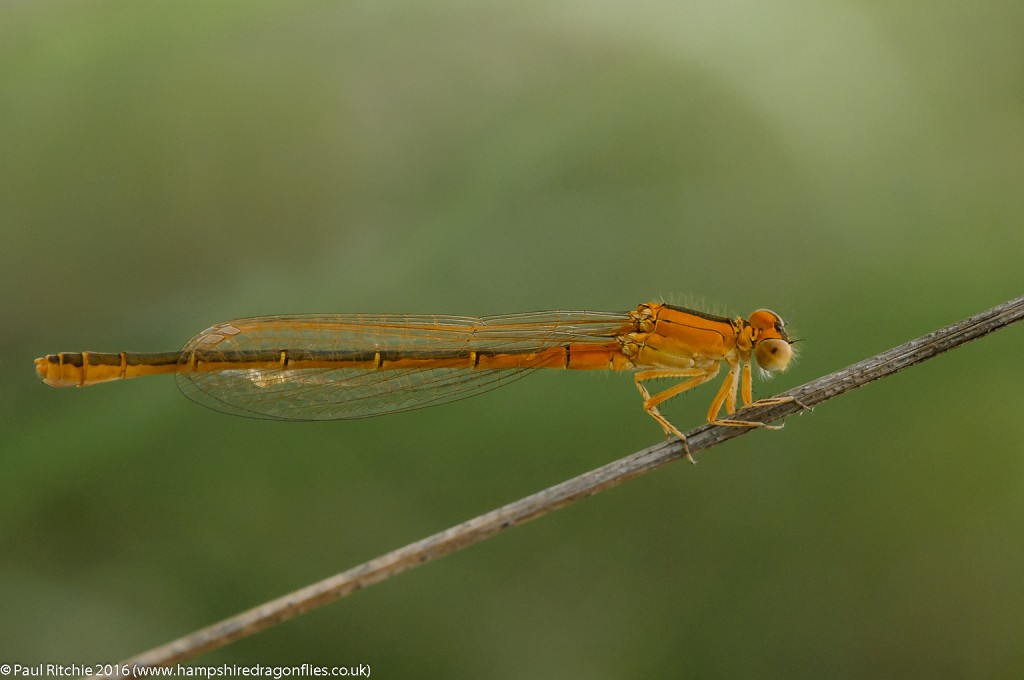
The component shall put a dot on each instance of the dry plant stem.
(552, 498)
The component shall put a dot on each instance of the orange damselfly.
(339, 366)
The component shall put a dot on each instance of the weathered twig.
(560, 495)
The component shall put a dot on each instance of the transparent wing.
(342, 392)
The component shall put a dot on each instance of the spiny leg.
(747, 385)
(772, 401)
(727, 394)
(746, 423)
(697, 377)
(765, 402)
(727, 397)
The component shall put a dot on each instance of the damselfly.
(339, 366)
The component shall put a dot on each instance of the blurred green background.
(855, 166)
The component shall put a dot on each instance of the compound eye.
(773, 354)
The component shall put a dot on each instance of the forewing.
(282, 393)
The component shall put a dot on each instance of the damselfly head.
(772, 348)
